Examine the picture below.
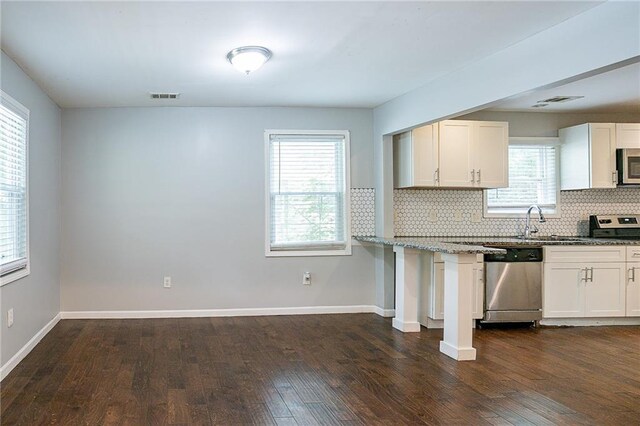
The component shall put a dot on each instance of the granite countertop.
(462, 244)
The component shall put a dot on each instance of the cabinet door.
(437, 310)
(605, 290)
(602, 155)
(628, 135)
(563, 287)
(633, 289)
(455, 165)
(478, 291)
(491, 154)
(425, 155)
(437, 298)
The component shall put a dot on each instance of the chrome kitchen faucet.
(528, 227)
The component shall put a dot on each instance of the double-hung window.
(533, 179)
(307, 208)
(14, 210)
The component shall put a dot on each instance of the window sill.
(303, 253)
(521, 215)
(14, 276)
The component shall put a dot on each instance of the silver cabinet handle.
(436, 175)
(590, 274)
(586, 275)
(632, 275)
(478, 175)
(615, 177)
(636, 254)
(473, 175)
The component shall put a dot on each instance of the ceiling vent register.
(165, 95)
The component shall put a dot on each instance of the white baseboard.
(386, 313)
(28, 347)
(242, 312)
(590, 322)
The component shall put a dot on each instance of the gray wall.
(35, 298)
(149, 192)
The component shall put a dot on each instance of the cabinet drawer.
(633, 254)
(584, 254)
(437, 257)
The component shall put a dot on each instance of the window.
(14, 220)
(308, 199)
(533, 179)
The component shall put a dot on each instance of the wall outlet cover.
(10, 317)
(167, 282)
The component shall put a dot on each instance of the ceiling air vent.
(165, 95)
(559, 99)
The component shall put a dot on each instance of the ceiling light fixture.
(248, 58)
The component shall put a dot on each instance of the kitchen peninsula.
(459, 259)
(460, 256)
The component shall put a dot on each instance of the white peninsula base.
(458, 299)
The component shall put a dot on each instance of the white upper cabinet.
(453, 154)
(415, 155)
(456, 150)
(588, 156)
(628, 135)
(491, 154)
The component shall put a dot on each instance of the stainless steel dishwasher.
(513, 285)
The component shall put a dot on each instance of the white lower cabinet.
(434, 299)
(633, 281)
(589, 288)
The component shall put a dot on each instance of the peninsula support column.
(407, 281)
(458, 307)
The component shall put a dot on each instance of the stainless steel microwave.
(628, 165)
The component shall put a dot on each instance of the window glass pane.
(532, 180)
(307, 191)
(13, 191)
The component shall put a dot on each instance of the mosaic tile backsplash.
(363, 213)
(413, 208)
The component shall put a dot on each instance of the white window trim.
(551, 141)
(20, 109)
(347, 195)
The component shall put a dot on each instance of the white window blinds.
(307, 192)
(532, 180)
(13, 186)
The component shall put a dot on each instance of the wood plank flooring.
(320, 369)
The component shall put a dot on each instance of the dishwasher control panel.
(516, 254)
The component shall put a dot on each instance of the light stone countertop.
(471, 245)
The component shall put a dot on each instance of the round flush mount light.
(248, 58)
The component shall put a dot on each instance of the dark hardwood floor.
(320, 369)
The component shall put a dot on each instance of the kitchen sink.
(538, 238)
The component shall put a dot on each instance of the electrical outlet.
(476, 217)
(167, 282)
(10, 317)
(457, 216)
(432, 216)
(306, 278)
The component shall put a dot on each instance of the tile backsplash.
(363, 213)
(413, 209)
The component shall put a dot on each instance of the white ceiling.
(351, 54)
(613, 91)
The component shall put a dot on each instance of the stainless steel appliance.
(620, 227)
(513, 285)
(628, 165)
